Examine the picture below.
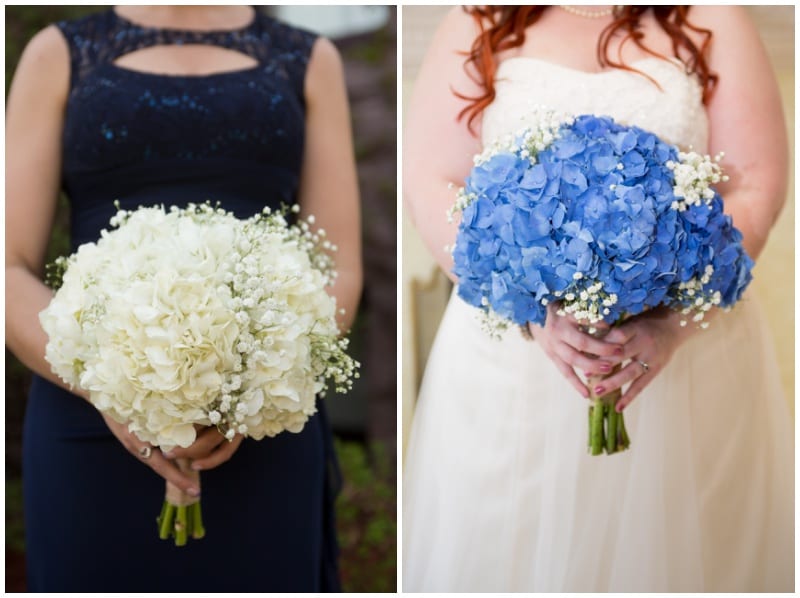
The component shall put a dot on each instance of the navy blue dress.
(142, 138)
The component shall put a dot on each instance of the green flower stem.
(198, 531)
(606, 427)
(180, 526)
(624, 440)
(611, 435)
(181, 515)
(596, 429)
(189, 520)
(165, 521)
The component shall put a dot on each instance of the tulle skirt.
(500, 493)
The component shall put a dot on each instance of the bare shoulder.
(45, 62)
(726, 22)
(325, 67)
(445, 56)
(456, 31)
(47, 49)
(324, 55)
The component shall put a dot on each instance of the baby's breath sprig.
(312, 241)
(585, 300)
(692, 297)
(121, 217)
(463, 199)
(337, 365)
(493, 324)
(54, 272)
(694, 174)
(547, 130)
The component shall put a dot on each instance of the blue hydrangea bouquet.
(604, 220)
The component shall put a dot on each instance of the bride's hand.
(151, 456)
(209, 449)
(569, 348)
(650, 339)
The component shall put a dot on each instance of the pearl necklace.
(587, 14)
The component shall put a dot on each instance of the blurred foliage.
(365, 517)
(15, 527)
(372, 50)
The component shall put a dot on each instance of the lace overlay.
(142, 138)
(255, 113)
(674, 112)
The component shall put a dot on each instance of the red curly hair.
(503, 28)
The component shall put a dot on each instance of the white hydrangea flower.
(187, 318)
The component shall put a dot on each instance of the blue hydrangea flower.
(592, 213)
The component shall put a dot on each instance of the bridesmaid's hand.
(569, 348)
(209, 449)
(145, 453)
(650, 339)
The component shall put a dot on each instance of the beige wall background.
(425, 290)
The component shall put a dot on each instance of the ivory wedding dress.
(499, 491)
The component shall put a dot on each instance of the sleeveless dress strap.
(86, 38)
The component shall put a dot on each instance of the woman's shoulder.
(44, 66)
(736, 42)
(724, 21)
(721, 13)
(325, 68)
(46, 52)
(457, 29)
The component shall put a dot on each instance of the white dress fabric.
(500, 494)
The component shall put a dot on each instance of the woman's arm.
(438, 147)
(34, 122)
(746, 122)
(328, 183)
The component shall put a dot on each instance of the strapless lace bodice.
(675, 112)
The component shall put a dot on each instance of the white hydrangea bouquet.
(183, 318)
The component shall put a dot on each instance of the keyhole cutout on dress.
(192, 60)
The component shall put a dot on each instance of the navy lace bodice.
(143, 138)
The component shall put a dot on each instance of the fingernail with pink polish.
(193, 491)
(598, 390)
